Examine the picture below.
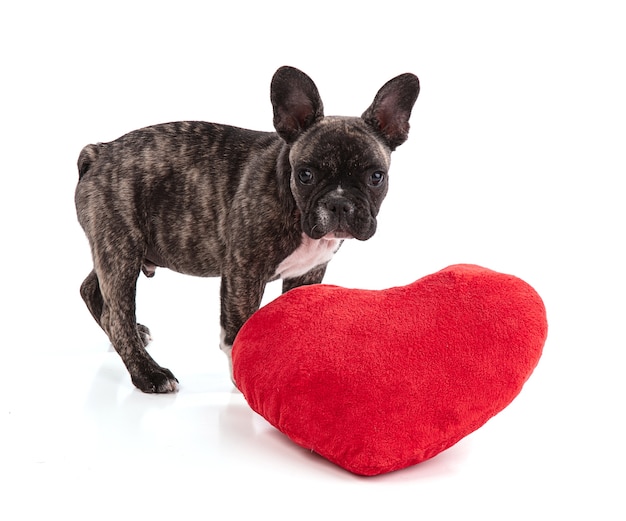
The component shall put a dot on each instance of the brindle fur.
(215, 200)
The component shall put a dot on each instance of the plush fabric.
(376, 381)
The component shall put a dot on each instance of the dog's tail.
(86, 158)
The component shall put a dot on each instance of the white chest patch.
(311, 253)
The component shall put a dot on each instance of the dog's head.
(339, 165)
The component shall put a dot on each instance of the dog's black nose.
(339, 206)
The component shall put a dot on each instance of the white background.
(515, 161)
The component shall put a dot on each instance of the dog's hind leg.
(116, 273)
(90, 291)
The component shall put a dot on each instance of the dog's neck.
(310, 254)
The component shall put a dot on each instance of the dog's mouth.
(338, 234)
(339, 219)
(318, 231)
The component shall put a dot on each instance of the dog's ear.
(390, 111)
(296, 101)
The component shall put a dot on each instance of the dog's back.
(175, 182)
(175, 147)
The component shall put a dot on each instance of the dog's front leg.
(240, 298)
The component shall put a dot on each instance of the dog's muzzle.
(339, 217)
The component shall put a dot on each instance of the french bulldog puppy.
(215, 200)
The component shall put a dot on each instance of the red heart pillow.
(376, 381)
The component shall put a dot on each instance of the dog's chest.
(310, 253)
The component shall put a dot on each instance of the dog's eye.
(377, 178)
(305, 176)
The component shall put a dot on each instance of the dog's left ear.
(296, 101)
(390, 111)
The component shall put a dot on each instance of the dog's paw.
(144, 334)
(227, 350)
(158, 380)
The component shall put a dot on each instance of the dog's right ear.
(296, 102)
(391, 109)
